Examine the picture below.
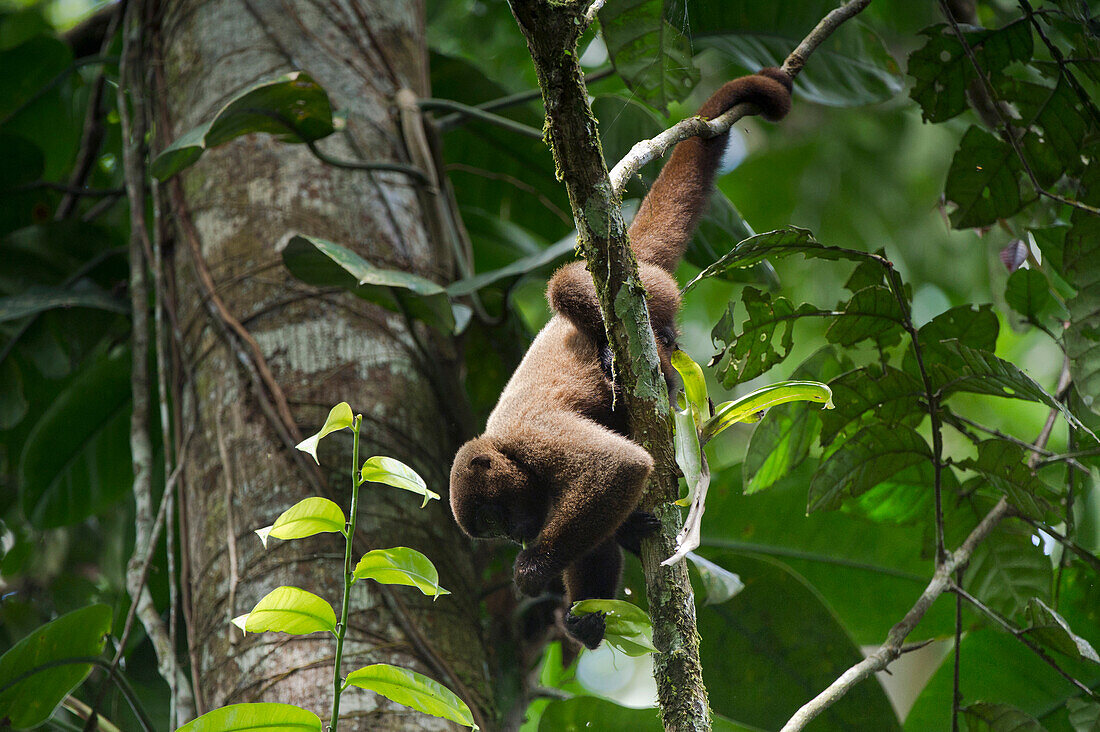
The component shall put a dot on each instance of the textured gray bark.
(235, 206)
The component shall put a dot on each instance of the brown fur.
(553, 470)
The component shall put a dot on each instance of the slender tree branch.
(494, 119)
(828, 25)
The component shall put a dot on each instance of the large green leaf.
(393, 472)
(1081, 266)
(983, 182)
(1028, 293)
(412, 689)
(778, 635)
(288, 610)
(652, 56)
(1007, 571)
(40, 299)
(851, 68)
(323, 263)
(266, 716)
(32, 700)
(76, 460)
(27, 69)
(943, 71)
(986, 717)
(1004, 465)
(873, 313)
(314, 515)
(871, 456)
(400, 565)
(628, 626)
(293, 107)
(892, 396)
(752, 351)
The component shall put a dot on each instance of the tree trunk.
(228, 214)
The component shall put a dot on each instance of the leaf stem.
(349, 534)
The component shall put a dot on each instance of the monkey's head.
(492, 497)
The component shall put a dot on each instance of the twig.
(891, 649)
(797, 58)
(1020, 636)
(593, 9)
(494, 119)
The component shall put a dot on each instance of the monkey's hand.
(533, 571)
(588, 629)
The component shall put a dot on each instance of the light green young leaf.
(688, 452)
(628, 627)
(400, 565)
(339, 417)
(720, 583)
(407, 687)
(268, 716)
(695, 386)
(289, 610)
(743, 409)
(307, 517)
(381, 469)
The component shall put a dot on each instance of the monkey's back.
(560, 372)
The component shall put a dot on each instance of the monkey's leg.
(595, 575)
(595, 478)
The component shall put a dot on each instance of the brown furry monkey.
(553, 470)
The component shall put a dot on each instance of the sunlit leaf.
(412, 689)
(32, 700)
(266, 716)
(289, 610)
(628, 627)
(307, 517)
(338, 418)
(764, 398)
(400, 565)
(392, 472)
(695, 385)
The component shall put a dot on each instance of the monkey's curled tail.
(668, 216)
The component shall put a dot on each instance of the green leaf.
(323, 263)
(1084, 715)
(515, 269)
(651, 55)
(407, 687)
(774, 245)
(980, 372)
(307, 517)
(28, 68)
(338, 418)
(890, 395)
(943, 71)
(1051, 629)
(1081, 265)
(871, 456)
(289, 610)
(782, 442)
(13, 398)
(628, 626)
(763, 399)
(1007, 570)
(400, 565)
(873, 313)
(76, 460)
(293, 107)
(380, 469)
(1028, 293)
(752, 352)
(983, 181)
(984, 716)
(40, 299)
(30, 702)
(1004, 465)
(266, 716)
(851, 68)
(695, 385)
(689, 455)
(976, 326)
(720, 583)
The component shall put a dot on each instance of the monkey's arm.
(595, 478)
(670, 212)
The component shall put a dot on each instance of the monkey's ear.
(480, 461)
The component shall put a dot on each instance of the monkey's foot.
(637, 526)
(533, 572)
(588, 629)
